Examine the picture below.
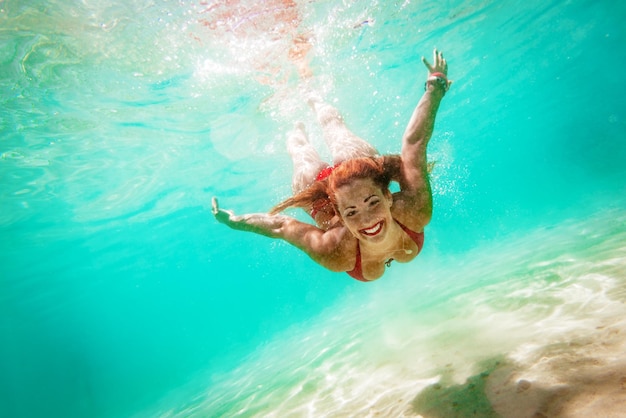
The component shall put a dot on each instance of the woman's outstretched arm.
(322, 246)
(414, 183)
(422, 122)
(259, 223)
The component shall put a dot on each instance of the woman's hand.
(222, 216)
(439, 66)
(439, 63)
(259, 223)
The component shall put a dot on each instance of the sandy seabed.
(582, 378)
(535, 328)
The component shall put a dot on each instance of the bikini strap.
(417, 237)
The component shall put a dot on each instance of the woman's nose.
(366, 217)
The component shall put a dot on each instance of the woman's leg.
(306, 161)
(343, 144)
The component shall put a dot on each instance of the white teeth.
(373, 230)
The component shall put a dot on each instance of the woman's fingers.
(427, 64)
(439, 63)
(214, 206)
(222, 216)
(443, 62)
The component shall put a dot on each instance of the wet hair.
(382, 170)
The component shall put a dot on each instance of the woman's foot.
(297, 55)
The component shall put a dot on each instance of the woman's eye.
(374, 202)
(350, 214)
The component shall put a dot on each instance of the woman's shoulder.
(343, 247)
(408, 212)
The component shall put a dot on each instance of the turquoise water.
(121, 296)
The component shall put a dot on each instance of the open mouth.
(374, 230)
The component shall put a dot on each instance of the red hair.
(322, 192)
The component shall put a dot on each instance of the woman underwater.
(360, 225)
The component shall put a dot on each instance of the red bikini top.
(357, 271)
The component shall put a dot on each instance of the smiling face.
(365, 209)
